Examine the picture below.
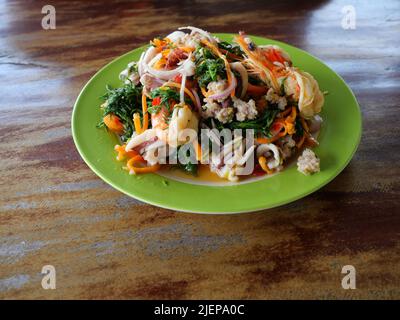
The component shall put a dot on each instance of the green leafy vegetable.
(235, 49)
(261, 124)
(282, 89)
(189, 167)
(208, 67)
(255, 81)
(133, 67)
(166, 95)
(298, 127)
(122, 102)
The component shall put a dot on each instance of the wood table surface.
(103, 244)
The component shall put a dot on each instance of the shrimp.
(304, 89)
(182, 118)
(158, 120)
(267, 62)
(274, 67)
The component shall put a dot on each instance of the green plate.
(339, 138)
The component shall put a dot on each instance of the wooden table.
(103, 244)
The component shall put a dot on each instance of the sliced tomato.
(178, 78)
(188, 84)
(156, 101)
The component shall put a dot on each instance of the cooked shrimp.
(304, 89)
(182, 118)
(158, 120)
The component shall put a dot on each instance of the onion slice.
(185, 67)
(262, 148)
(182, 89)
(198, 103)
(140, 64)
(238, 66)
(155, 59)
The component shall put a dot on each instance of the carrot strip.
(292, 115)
(136, 122)
(275, 137)
(289, 121)
(177, 85)
(187, 49)
(279, 135)
(263, 163)
(122, 153)
(227, 66)
(204, 92)
(262, 140)
(134, 169)
(197, 148)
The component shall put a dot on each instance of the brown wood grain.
(103, 244)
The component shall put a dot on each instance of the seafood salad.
(239, 109)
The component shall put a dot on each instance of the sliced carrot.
(262, 140)
(292, 116)
(204, 92)
(263, 163)
(290, 121)
(122, 153)
(187, 49)
(276, 136)
(160, 43)
(177, 85)
(160, 64)
(113, 123)
(197, 148)
(131, 164)
(291, 129)
(136, 122)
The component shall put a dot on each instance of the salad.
(192, 100)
